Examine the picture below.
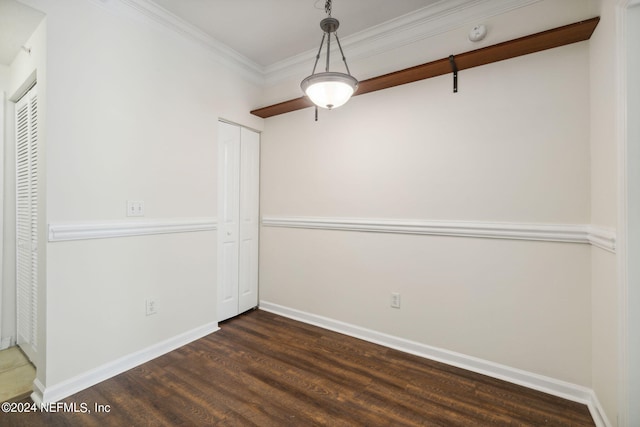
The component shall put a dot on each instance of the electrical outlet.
(152, 306)
(135, 208)
(395, 299)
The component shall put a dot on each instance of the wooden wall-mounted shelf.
(549, 39)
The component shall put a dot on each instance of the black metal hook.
(454, 68)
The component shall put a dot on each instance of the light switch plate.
(135, 208)
(151, 306)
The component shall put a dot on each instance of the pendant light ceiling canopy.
(329, 89)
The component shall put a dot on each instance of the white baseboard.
(7, 342)
(531, 380)
(56, 392)
(597, 411)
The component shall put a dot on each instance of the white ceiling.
(270, 31)
(269, 40)
(17, 23)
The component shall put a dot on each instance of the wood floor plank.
(265, 370)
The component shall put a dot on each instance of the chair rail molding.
(85, 231)
(569, 233)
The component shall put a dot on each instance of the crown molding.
(427, 22)
(225, 54)
(435, 19)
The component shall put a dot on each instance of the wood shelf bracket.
(556, 37)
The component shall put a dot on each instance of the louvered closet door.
(27, 221)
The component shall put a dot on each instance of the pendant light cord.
(327, 7)
(328, 51)
(327, 35)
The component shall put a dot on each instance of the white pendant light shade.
(330, 89)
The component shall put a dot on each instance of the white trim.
(3, 144)
(555, 387)
(435, 19)
(571, 233)
(623, 402)
(628, 208)
(602, 238)
(222, 52)
(597, 411)
(84, 231)
(38, 391)
(7, 342)
(42, 394)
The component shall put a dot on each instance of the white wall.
(5, 308)
(604, 203)
(132, 112)
(631, 289)
(386, 148)
(4, 77)
(512, 146)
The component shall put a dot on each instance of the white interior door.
(228, 219)
(249, 217)
(238, 207)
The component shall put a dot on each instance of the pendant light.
(329, 89)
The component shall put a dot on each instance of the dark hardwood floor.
(265, 370)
